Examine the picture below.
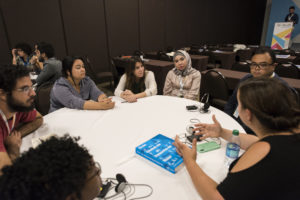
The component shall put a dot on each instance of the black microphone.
(205, 107)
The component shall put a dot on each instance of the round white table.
(111, 137)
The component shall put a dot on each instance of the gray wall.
(105, 28)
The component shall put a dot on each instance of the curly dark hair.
(9, 74)
(46, 48)
(24, 47)
(55, 169)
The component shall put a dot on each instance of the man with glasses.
(18, 117)
(57, 169)
(262, 64)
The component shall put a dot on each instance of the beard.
(17, 106)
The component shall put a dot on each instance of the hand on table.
(107, 104)
(102, 97)
(131, 98)
(127, 92)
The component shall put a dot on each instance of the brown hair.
(130, 77)
(272, 103)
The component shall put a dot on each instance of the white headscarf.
(188, 70)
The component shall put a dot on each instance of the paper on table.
(282, 56)
(218, 51)
(171, 54)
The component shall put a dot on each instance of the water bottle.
(232, 148)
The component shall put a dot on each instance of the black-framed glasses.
(261, 65)
(26, 89)
(97, 172)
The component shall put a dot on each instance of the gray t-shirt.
(51, 71)
(63, 94)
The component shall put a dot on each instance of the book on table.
(162, 152)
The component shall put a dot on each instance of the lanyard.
(181, 83)
(290, 17)
(6, 122)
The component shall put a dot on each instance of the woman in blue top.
(76, 90)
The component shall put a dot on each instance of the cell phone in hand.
(191, 138)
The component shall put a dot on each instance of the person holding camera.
(22, 55)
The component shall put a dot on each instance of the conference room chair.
(101, 77)
(214, 83)
(296, 61)
(212, 60)
(244, 55)
(138, 53)
(287, 70)
(241, 67)
(42, 98)
(163, 56)
(285, 52)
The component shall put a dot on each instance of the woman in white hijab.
(183, 80)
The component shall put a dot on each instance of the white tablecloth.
(111, 137)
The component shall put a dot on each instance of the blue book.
(162, 152)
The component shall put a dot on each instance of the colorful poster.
(282, 35)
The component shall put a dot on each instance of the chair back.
(287, 70)
(214, 83)
(42, 99)
(88, 68)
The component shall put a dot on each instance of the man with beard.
(18, 117)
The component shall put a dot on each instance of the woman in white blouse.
(136, 82)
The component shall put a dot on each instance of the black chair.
(212, 60)
(244, 55)
(241, 67)
(285, 52)
(214, 83)
(163, 56)
(42, 99)
(115, 72)
(100, 77)
(138, 53)
(170, 49)
(287, 70)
